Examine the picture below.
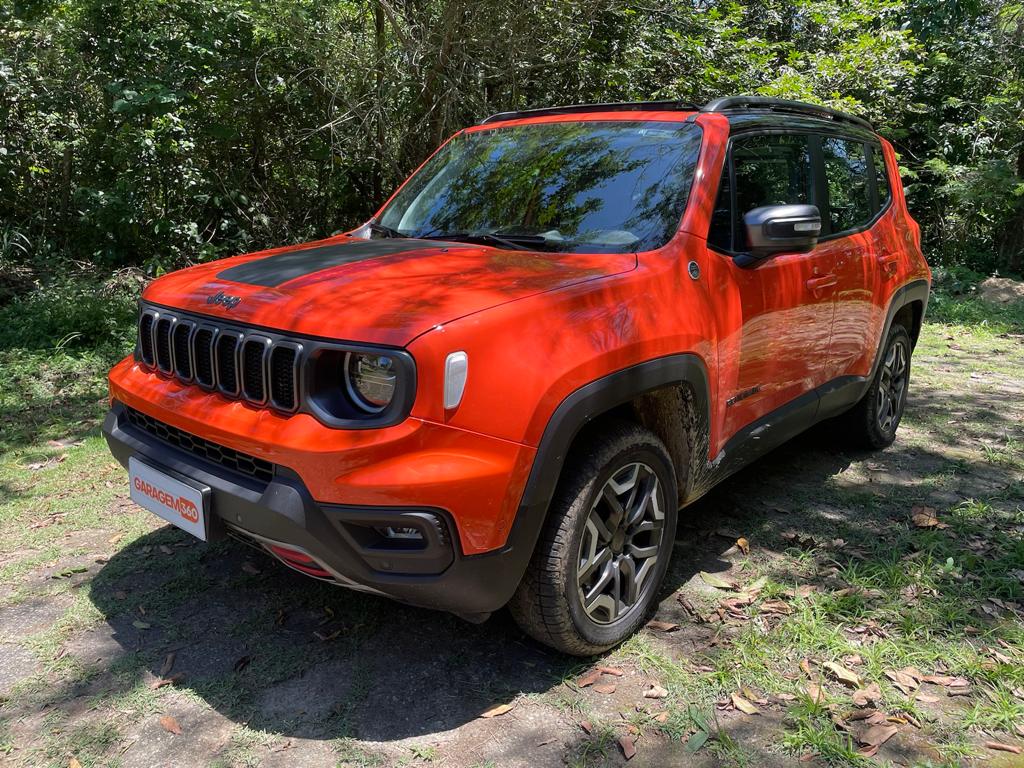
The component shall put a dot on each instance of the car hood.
(386, 291)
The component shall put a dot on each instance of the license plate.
(177, 502)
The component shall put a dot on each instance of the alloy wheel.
(892, 387)
(621, 544)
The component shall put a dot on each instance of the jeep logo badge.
(229, 302)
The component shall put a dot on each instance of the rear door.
(775, 316)
(853, 209)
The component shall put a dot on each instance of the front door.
(776, 316)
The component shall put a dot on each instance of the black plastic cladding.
(229, 363)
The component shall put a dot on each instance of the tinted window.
(581, 186)
(720, 230)
(770, 170)
(849, 193)
(881, 177)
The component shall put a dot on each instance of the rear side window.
(766, 170)
(849, 188)
(881, 177)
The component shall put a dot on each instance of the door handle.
(889, 262)
(816, 284)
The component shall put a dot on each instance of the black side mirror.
(775, 229)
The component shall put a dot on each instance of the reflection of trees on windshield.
(585, 186)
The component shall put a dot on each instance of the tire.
(873, 421)
(549, 604)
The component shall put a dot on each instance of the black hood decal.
(274, 270)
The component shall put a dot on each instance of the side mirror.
(775, 229)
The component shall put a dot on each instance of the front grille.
(259, 469)
(237, 362)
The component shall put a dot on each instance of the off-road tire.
(547, 604)
(863, 427)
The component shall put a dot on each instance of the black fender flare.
(575, 412)
(915, 290)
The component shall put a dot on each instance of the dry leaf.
(1000, 747)
(924, 698)
(842, 674)
(717, 581)
(73, 763)
(779, 607)
(115, 538)
(661, 717)
(662, 626)
(587, 726)
(877, 735)
(168, 664)
(865, 696)
(815, 693)
(606, 688)
(497, 711)
(170, 725)
(902, 680)
(161, 682)
(805, 666)
(628, 749)
(925, 517)
(655, 692)
(589, 679)
(744, 545)
(744, 706)
(615, 671)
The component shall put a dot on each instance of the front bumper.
(333, 541)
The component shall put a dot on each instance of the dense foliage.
(156, 132)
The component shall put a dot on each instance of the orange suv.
(566, 326)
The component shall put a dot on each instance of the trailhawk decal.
(272, 271)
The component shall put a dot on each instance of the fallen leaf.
(814, 693)
(655, 692)
(170, 725)
(589, 679)
(861, 714)
(163, 681)
(925, 517)
(662, 626)
(497, 711)
(877, 735)
(1000, 747)
(805, 666)
(842, 674)
(744, 706)
(902, 680)
(587, 726)
(115, 538)
(605, 688)
(614, 671)
(628, 749)
(853, 660)
(945, 680)
(744, 545)
(166, 550)
(868, 695)
(778, 607)
(168, 664)
(661, 717)
(924, 698)
(73, 763)
(242, 663)
(785, 697)
(717, 581)
(327, 636)
(140, 624)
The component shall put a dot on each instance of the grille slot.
(180, 338)
(163, 344)
(254, 467)
(284, 376)
(146, 338)
(202, 353)
(254, 385)
(227, 363)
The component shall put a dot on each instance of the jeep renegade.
(566, 326)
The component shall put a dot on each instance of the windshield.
(580, 186)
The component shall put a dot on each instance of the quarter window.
(881, 176)
(849, 191)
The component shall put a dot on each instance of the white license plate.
(176, 502)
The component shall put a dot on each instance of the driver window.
(770, 170)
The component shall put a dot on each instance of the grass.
(842, 555)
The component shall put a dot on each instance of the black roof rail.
(615, 106)
(767, 104)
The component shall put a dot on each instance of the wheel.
(603, 553)
(873, 421)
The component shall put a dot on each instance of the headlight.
(370, 380)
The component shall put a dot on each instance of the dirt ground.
(123, 642)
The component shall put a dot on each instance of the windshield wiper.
(509, 242)
(382, 229)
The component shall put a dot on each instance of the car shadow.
(284, 653)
